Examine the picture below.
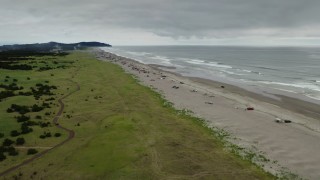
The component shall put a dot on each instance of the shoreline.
(289, 144)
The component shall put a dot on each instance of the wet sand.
(293, 146)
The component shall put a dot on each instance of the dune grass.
(123, 131)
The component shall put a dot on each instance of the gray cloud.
(176, 19)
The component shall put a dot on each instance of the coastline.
(290, 145)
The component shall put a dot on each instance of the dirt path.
(55, 121)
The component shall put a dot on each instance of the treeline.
(19, 55)
(10, 59)
(46, 47)
(13, 66)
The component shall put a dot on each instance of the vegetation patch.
(122, 130)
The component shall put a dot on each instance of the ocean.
(292, 71)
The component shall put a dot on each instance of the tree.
(20, 141)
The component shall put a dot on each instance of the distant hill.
(52, 46)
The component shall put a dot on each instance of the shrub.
(45, 105)
(30, 123)
(25, 129)
(12, 151)
(38, 117)
(18, 108)
(2, 157)
(22, 118)
(20, 141)
(14, 133)
(45, 124)
(48, 134)
(1, 135)
(7, 142)
(57, 134)
(32, 151)
(5, 94)
(36, 108)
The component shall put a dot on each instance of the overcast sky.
(148, 22)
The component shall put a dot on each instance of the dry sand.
(293, 146)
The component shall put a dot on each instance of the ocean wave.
(232, 73)
(212, 64)
(267, 68)
(314, 56)
(196, 61)
(162, 58)
(313, 96)
(249, 71)
(286, 90)
(309, 86)
(138, 53)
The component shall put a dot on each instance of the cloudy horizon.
(169, 22)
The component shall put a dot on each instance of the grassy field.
(122, 130)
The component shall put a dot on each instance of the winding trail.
(55, 121)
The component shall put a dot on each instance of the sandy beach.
(291, 147)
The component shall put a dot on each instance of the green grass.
(126, 131)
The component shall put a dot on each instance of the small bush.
(45, 124)
(12, 151)
(36, 108)
(25, 129)
(1, 135)
(32, 151)
(7, 142)
(2, 157)
(22, 118)
(14, 133)
(20, 141)
(48, 134)
(18, 108)
(57, 134)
